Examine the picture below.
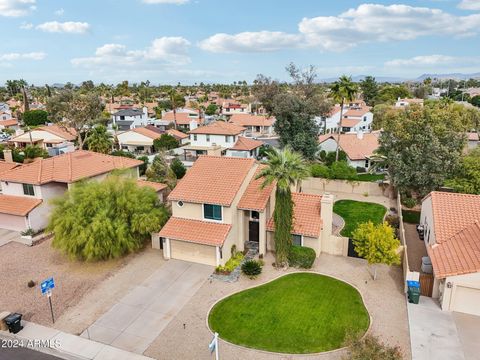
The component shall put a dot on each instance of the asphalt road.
(24, 354)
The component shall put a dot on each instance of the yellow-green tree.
(377, 244)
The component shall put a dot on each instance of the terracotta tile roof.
(177, 134)
(255, 198)
(246, 144)
(147, 132)
(151, 184)
(357, 112)
(350, 122)
(195, 231)
(334, 110)
(68, 168)
(251, 120)
(473, 136)
(5, 166)
(355, 148)
(212, 180)
(67, 134)
(18, 205)
(9, 122)
(306, 215)
(183, 118)
(218, 128)
(458, 255)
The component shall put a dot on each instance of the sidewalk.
(67, 346)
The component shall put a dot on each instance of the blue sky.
(187, 41)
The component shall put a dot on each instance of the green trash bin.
(413, 294)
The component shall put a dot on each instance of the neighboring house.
(220, 204)
(28, 189)
(131, 118)
(160, 189)
(245, 148)
(406, 102)
(256, 125)
(451, 225)
(329, 124)
(45, 137)
(234, 107)
(472, 140)
(139, 140)
(5, 114)
(181, 137)
(9, 124)
(359, 147)
(357, 119)
(214, 138)
(186, 120)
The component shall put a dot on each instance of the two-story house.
(127, 119)
(357, 119)
(220, 204)
(27, 189)
(46, 137)
(139, 140)
(256, 125)
(186, 119)
(234, 107)
(451, 228)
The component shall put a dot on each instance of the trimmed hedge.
(301, 257)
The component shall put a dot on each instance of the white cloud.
(469, 5)
(59, 12)
(15, 8)
(174, 2)
(366, 23)
(166, 50)
(71, 27)
(26, 26)
(25, 56)
(434, 61)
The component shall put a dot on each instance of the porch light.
(449, 285)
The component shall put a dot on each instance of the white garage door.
(12, 222)
(466, 300)
(197, 253)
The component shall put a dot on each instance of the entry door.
(253, 231)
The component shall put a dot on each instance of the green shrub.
(231, 264)
(252, 268)
(409, 202)
(320, 171)
(342, 171)
(35, 117)
(301, 256)
(393, 221)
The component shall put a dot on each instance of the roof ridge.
(39, 179)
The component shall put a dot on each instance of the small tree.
(100, 140)
(159, 171)
(122, 153)
(105, 220)
(35, 117)
(33, 152)
(165, 142)
(211, 109)
(178, 168)
(143, 168)
(370, 348)
(377, 244)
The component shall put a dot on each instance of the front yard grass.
(297, 313)
(357, 212)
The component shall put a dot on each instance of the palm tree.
(285, 168)
(100, 140)
(344, 89)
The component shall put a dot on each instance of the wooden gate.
(426, 284)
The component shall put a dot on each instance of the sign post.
(213, 346)
(46, 287)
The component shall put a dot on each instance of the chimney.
(145, 111)
(326, 214)
(360, 134)
(7, 156)
(193, 124)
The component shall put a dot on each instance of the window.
(254, 215)
(195, 137)
(297, 240)
(364, 118)
(48, 145)
(180, 204)
(227, 138)
(28, 190)
(122, 117)
(212, 212)
(208, 138)
(367, 163)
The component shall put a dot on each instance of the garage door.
(466, 300)
(12, 222)
(197, 253)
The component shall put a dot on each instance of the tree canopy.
(105, 220)
(467, 178)
(100, 140)
(35, 117)
(165, 142)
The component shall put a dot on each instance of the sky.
(188, 41)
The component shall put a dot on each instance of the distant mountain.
(358, 78)
(453, 76)
(58, 86)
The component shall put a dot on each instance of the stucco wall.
(452, 298)
(319, 185)
(12, 222)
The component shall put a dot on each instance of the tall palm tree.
(100, 140)
(344, 89)
(285, 168)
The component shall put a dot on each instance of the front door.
(253, 231)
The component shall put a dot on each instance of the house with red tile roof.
(356, 117)
(220, 204)
(27, 189)
(45, 136)
(451, 226)
(359, 147)
(256, 125)
(139, 140)
(186, 119)
(245, 147)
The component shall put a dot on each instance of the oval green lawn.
(356, 212)
(297, 313)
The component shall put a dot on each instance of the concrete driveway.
(442, 335)
(9, 235)
(141, 315)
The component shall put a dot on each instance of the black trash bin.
(14, 322)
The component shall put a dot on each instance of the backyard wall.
(319, 185)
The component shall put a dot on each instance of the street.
(24, 354)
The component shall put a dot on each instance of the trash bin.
(413, 292)
(13, 322)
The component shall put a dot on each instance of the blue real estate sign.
(47, 286)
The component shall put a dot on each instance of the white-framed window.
(194, 137)
(297, 240)
(254, 215)
(28, 189)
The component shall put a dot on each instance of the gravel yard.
(20, 263)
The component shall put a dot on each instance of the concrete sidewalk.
(137, 319)
(66, 346)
